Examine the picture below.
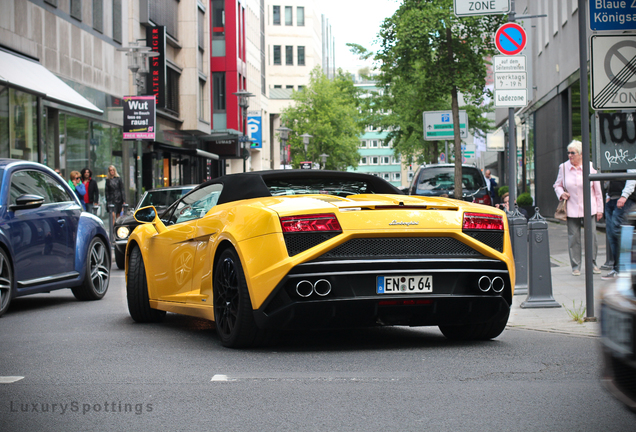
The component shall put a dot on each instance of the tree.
(330, 110)
(427, 57)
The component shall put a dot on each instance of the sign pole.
(585, 140)
(512, 147)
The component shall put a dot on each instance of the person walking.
(114, 192)
(91, 198)
(75, 182)
(569, 187)
(620, 200)
(492, 184)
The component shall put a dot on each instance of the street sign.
(488, 7)
(511, 98)
(612, 15)
(254, 129)
(510, 80)
(442, 157)
(509, 63)
(613, 71)
(438, 125)
(510, 39)
(306, 165)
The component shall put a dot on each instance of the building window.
(386, 160)
(288, 16)
(386, 144)
(289, 55)
(300, 16)
(278, 86)
(397, 176)
(301, 56)
(277, 58)
(363, 144)
(276, 15)
(386, 176)
(218, 92)
(98, 15)
(289, 87)
(201, 29)
(363, 161)
(374, 160)
(202, 99)
(76, 9)
(165, 12)
(218, 18)
(374, 144)
(117, 33)
(300, 87)
(172, 90)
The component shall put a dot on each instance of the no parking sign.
(510, 39)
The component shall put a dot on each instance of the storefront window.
(4, 121)
(22, 126)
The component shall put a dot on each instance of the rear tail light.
(482, 221)
(310, 223)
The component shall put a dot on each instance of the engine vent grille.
(494, 239)
(401, 247)
(300, 242)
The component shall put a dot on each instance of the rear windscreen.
(306, 186)
(437, 180)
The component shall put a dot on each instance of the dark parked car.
(618, 320)
(46, 241)
(160, 198)
(437, 180)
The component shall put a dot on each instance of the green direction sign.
(438, 125)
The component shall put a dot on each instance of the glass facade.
(18, 124)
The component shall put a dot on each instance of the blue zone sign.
(255, 131)
(611, 15)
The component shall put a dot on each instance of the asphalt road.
(88, 366)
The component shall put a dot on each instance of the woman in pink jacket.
(569, 186)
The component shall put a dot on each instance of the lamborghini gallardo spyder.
(273, 250)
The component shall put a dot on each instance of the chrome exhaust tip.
(484, 283)
(322, 287)
(498, 284)
(304, 288)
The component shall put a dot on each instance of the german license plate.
(617, 330)
(405, 284)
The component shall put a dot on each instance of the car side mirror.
(149, 215)
(25, 202)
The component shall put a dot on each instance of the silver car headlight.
(123, 232)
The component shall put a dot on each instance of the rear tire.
(120, 259)
(137, 291)
(6, 282)
(97, 274)
(233, 313)
(481, 331)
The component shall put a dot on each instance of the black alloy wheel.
(6, 282)
(137, 291)
(97, 275)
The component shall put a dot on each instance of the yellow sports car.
(274, 250)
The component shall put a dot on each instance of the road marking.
(9, 379)
(218, 377)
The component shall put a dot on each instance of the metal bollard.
(518, 227)
(540, 282)
(125, 209)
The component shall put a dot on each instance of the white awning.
(31, 76)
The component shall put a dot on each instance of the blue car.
(46, 241)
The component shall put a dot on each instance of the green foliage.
(502, 190)
(332, 112)
(576, 313)
(524, 199)
(421, 65)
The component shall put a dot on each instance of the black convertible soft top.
(255, 184)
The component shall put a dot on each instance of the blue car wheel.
(6, 282)
(97, 275)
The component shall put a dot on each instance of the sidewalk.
(566, 289)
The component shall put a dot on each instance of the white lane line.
(219, 377)
(9, 379)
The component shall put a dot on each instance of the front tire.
(137, 291)
(97, 274)
(233, 312)
(6, 282)
(480, 331)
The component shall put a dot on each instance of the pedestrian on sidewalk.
(114, 192)
(91, 199)
(76, 184)
(620, 200)
(569, 187)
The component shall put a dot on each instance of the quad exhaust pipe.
(321, 287)
(485, 284)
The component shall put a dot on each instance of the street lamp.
(306, 137)
(284, 136)
(324, 157)
(244, 102)
(137, 58)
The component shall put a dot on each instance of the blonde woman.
(114, 191)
